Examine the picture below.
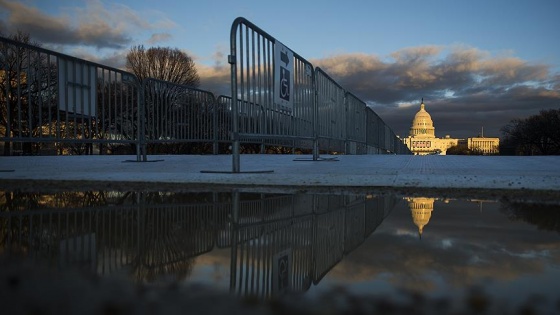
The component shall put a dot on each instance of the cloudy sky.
(477, 63)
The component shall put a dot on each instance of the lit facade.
(422, 138)
(486, 145)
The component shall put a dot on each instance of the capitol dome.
(422, 124)
(421, 210)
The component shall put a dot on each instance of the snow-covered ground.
(461, 172)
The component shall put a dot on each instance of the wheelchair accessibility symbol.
(283, 77)
(284, 84)
(283, 273)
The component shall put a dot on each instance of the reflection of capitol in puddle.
(421, 209)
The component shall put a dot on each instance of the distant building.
(422, 138)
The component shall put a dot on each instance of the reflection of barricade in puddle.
(79, 250)
(280, 242)
(292, 253)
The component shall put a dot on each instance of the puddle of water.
(476, 253)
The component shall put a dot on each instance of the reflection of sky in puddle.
(364, 244)
(464, 244)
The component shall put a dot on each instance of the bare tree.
(170, 96)
(27, 89)
(163, 63)
(535, 135)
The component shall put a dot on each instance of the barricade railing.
(373, 123)
(331, 112)
(249, 115)
(53, 103)
(272, 85)
(277, 94)
(222, 117)
(177, 114)
(356, 125)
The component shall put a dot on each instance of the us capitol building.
(422, 138)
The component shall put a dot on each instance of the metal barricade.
(57, 104)
(222, 118)
(331, 112)
(373, 123)
(390, 140)
(52, 103)
(381, 134)
(272, 89)
(177, 114)
(355, 124)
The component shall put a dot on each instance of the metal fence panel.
(222, 110)
(355, 123)
(272, 88)
(61, 104)
(176, 113)
(374, 129)
(255, 84)
(52, 103)
(331, 111)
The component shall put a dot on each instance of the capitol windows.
(422, 144)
